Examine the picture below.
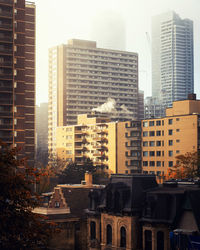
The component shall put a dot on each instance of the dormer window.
(57, 204)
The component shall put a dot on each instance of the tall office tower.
(172, 58)
(83, 77)
(109, 30)
(17, 75)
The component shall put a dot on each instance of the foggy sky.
(60, 20)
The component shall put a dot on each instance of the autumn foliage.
(187, 166)
(20, 228)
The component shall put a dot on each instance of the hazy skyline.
(58, 21)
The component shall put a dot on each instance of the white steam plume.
(106, 107)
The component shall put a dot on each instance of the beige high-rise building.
(114, 145)
(83, 77)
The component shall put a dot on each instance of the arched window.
(148, 240)
(109, 235)
(123, 237)
(92, 230)
(160, 240)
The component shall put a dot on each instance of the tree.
(74, 173)
(187, 166)
(20, 228)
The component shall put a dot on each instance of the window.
(158, 133)
(160, 240)
(170, 132)
(152, 153)
(162, 153)
(151, 133)
(170, 142)
(152, 163)
(170, 121)
(145, 153)
(177, 130)
(170, 153)
(145, 143)
(151, 123)
(148, 240)
(145, 133)
(178, 140)
(92, 230)
(177, 151)
(69, 152)
(122, 237)
(158, 153)
(158, 123)
(109, 234)
(145, 124)
(57, 204)
(163, 163)
(177, 119)
(152, 143)
(145, 163)
(158, 163)
(163, 143)
(158, 143)
(163, 122)
(170, 163)
(163, 133)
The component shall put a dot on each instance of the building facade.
(114, 145)
(83, 77)
(153, 108)
(172, 58)
(175, 134)
(17, 76)
(141, 105)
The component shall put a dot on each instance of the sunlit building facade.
(17, 76)
(83, 77)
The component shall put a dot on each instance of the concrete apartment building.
(165, 138)
(83, 77)
(115, 145)
(17, 75)
(172, 58)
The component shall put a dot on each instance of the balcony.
(7, 126)
(6, 64)
(7, 2)
(78, 139)
(6, 39)
(6, 14)
(5, 26)
(6, 51)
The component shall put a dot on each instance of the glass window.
(158, 143)
(178, 140)
(163, 122)
(158, 133)
(145, 163)
(158, 153)
(177, 151)
(170, 153)
(160, 240)
(152, 163)
(145, 133)
(158, 163)
(92, 230)
(170, 132)
(177, 119)
(122, 237)
(148, 240)
(170, 121)
(152, 153)
(151, 133)
(170, 163)
(109, 235)
(145, 124)
(151, 123)
(177, 130)
(158, 123)
(163, 133)
(145, 153)
(152, 143)
(170, 142)
(145, 143)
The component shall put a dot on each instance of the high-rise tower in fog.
(172, 58)
(83, 77)
(17, 75)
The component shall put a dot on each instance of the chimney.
(192, 96)
(88, 179)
